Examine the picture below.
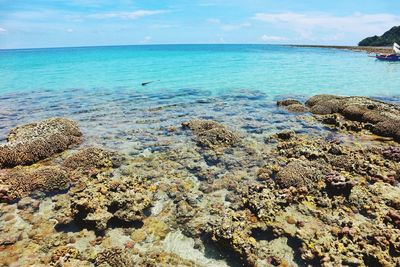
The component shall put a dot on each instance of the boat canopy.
(396, 48)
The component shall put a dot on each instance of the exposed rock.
(389, 128)
(20, 182)
(320, 99)
(30, 143)
(384, 117)
(392, 153)
(211, 134)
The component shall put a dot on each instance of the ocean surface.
(236, 85)
(100, 87)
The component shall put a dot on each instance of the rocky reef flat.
(237, 182)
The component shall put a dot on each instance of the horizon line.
(167, 44)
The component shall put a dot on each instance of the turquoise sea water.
(275, 70)
(100, 87)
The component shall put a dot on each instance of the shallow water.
(101, 86)
(237, 85)
(274, 70)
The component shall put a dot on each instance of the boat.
(396, 48)
(390, 57)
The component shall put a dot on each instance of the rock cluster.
(292, 105)
(103, 203)
(379, 117)
(20, 182)
(33, 142)
(287, 199)
(211, 134)
(30, 143)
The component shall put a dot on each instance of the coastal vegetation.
(387, 39)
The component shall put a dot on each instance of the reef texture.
(33, 142)
(222, 199)
(357, 113)
(292, 105)
(211, 134)
(101, 202)
(20, 182)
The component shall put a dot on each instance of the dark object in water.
(146, 83)
(391, 57)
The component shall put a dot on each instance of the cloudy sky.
(55, 23)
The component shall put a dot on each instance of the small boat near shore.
(390, 57)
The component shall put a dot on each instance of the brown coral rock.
(91, 157)
(292, 105)
(30, 143)
(211, 134)
(384, 117)
(20, 182)
(297, 174)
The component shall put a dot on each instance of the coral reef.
(292, 105)
(381, 118)
(30, 143)
(20, 182)
(101, 202)
(284, 196)
(90, 161)
(211, 134)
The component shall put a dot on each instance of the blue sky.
(55, 23)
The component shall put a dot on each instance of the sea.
(102, 87)
(134, 99)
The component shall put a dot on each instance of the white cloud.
(228, 26)
(267, 38)
(70, 30)
(214, 21)
(146, 39)
(307, 24)
(2, 30)
(127, 15)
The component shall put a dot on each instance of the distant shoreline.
(368, 49)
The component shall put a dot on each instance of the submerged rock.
(20, 182)
(297, 174)
(115, 257)
(292, 105)
(100, 203)
(32, 142)
(91, 158)
(211, 134)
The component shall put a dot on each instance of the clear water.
(100, 87)
(275, 70)
(237, 85)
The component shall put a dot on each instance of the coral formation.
(20, 182)
(211, 134)
(30, 143)
(379, 117)
(292, 105)
(285, 196)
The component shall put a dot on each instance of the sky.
(63, 23)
